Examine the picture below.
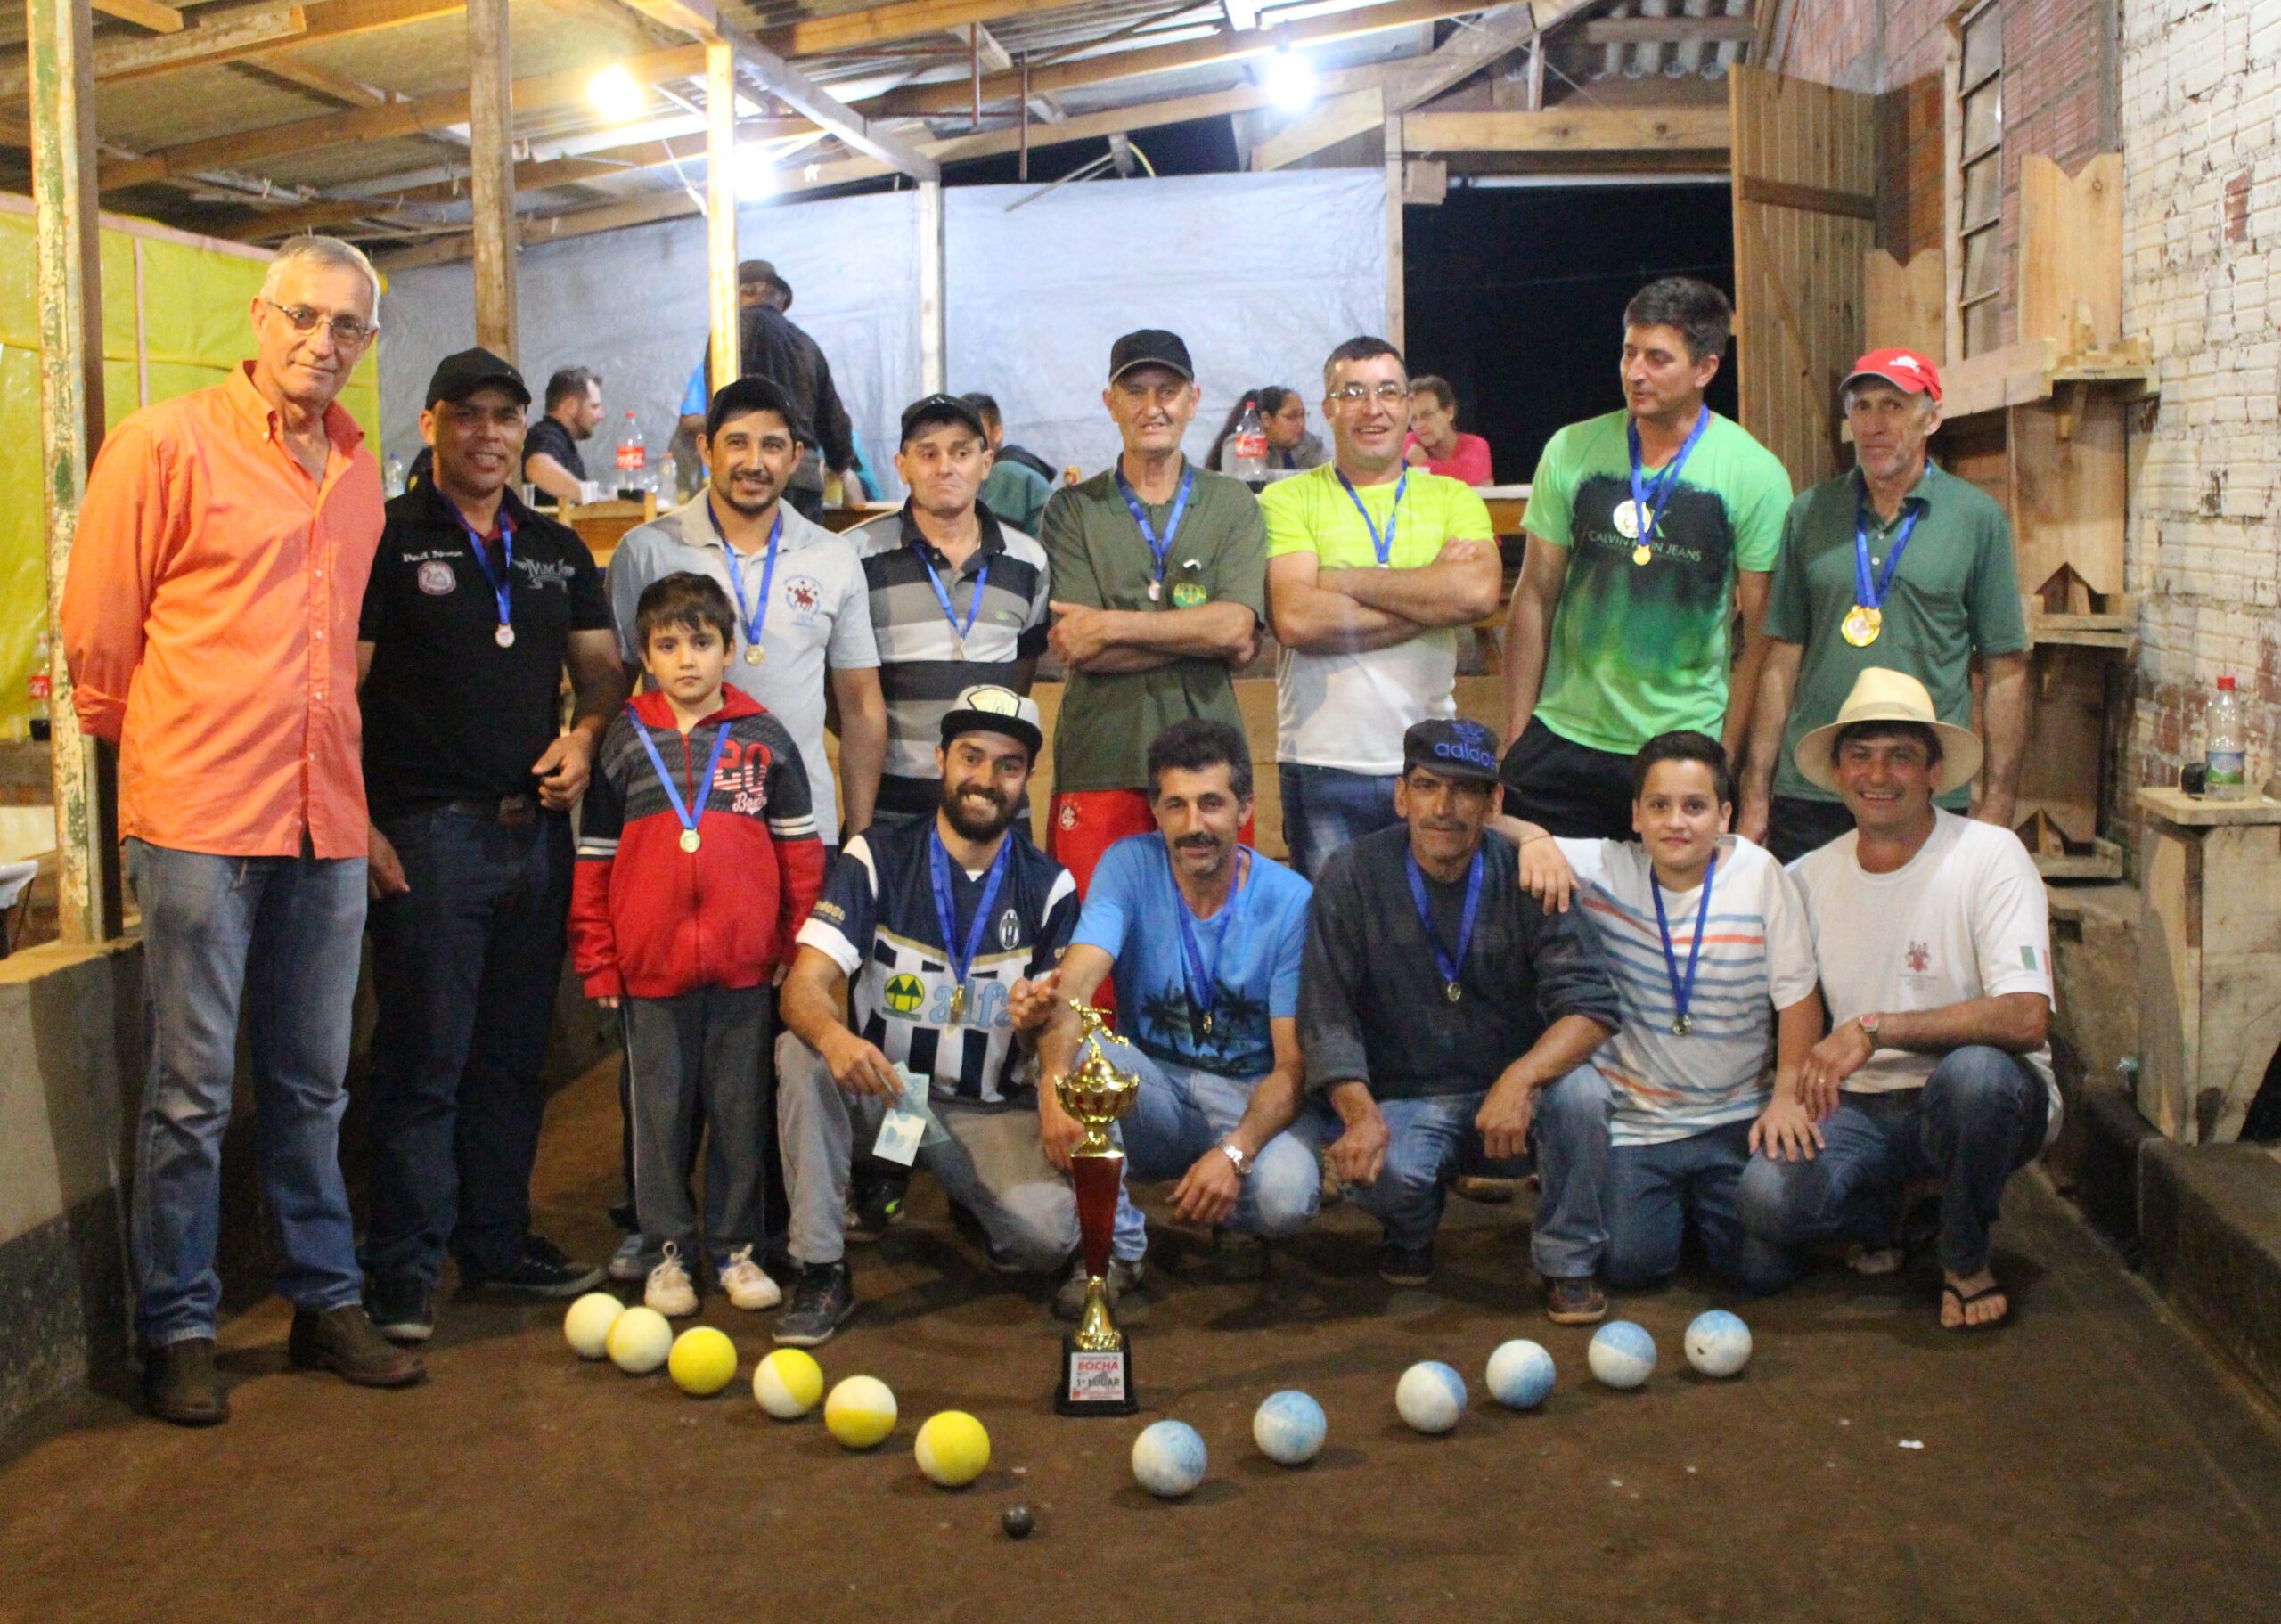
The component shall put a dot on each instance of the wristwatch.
(1243, 1162)
(1869, 1023)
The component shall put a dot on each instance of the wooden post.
(1395, 299)
(721, 210)
(491, 132)
(61, 46)
(930, 286)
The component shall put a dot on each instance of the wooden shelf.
(2102, 862)
(2027, 373)
(2118, 630)
(2173, 805)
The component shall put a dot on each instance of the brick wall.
(2201, 85)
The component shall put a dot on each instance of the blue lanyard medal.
(1643, 520)
(687, 814)
(939, 863)
(1159, 550)
(943, 595)
(1204, 979)
(1867, 617)
(1382, 545)
(1683, 990)
(1450, 965)
(505, 635)
(753, 618)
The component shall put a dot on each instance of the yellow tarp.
(193, 327)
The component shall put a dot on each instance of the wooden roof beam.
(882, 25)
(148, 13)
(421, 114)
(318, 81)
(701, 19)
(220, 34)
(1569, 129)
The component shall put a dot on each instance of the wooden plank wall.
(1805, 198)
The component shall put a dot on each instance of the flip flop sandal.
(1965, 1302)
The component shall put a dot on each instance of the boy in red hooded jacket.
(698, 860)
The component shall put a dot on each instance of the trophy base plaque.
(1095, 1382)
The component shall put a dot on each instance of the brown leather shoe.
(180, 1383)
(343, 1341)
(1574, 1299)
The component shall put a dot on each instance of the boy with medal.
(1649, 530)
(924, 970)
(1203, 939)
(698, 858)
(1709, 944)
(1408, 1086)
(1896, 565)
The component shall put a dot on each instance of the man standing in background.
(1019, 484)
(551, 465)
(772, 347)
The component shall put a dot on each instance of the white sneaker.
(747, 1284)
(669, 1291)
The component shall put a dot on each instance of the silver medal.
(504, 636)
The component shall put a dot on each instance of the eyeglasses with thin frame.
(1386, 393)
(347, 330)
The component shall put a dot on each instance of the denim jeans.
(1326, 807)
(280, 937)
(465, 967)
(1181, 1113)
(1654, 1190)
(701, 1063)
(1433, 1138)
(1979, 1117)
(989, 1162)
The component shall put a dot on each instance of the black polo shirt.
(449, 715)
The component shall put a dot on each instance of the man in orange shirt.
(209, 619)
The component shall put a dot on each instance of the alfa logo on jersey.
(905, 994)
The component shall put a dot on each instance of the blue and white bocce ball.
(1168, 1459)
(1622, 1354)
(1717, 1343)
(1430, 1396)
(1520, 1373)
(1289, 1427)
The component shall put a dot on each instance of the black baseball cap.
(930, 409)
(459, 376)
(1457, 748)
(1150, 346)
(987, 708)
(755, 393)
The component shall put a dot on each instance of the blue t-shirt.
(1252, 947)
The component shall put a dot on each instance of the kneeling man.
(949, 930)
(1446, 1017)
(1204, 938)
(1934, 940)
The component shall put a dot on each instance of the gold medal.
(1208, 1023)
(689, 840)
(1454, 991)
(1862, 624)
(958, 1005)
(754, 654)
(1641, 554)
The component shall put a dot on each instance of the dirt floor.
(2088, 1462)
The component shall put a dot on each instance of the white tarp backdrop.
(1260, 274)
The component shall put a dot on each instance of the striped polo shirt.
(921, 671)
(1757, 957)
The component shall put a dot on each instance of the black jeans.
(1795, 826)
(1568, 788)
(465, 967)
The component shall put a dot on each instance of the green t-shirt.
(1955, 593)
(1095, 550)
(1639, 650)
(1016, 495)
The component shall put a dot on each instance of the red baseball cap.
(1904, 368)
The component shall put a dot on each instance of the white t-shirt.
(1965, 918)
(1756, 958)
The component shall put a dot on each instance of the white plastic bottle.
(632, 461)
(1248, 446)
(392, 477)
(2227, 751)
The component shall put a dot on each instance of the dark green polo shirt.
(1955, 594)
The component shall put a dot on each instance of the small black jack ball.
(1017, 1522)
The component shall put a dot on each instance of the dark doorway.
(1516, 295)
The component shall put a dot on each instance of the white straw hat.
(1880, 695)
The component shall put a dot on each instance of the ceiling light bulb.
(616, 94)
(1290, 82)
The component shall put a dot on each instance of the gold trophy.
(1096, 1364)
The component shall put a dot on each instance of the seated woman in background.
(1283, 415)
(1434, 444)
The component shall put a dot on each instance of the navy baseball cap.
(1456, 749)
(929, 410)
(1150, 346)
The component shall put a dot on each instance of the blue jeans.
(1979, 1117)
(287, 932)
(465, 967)
(1326, 807)
(1181, 1112)
(1432, 1138)
(1653, 1190)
